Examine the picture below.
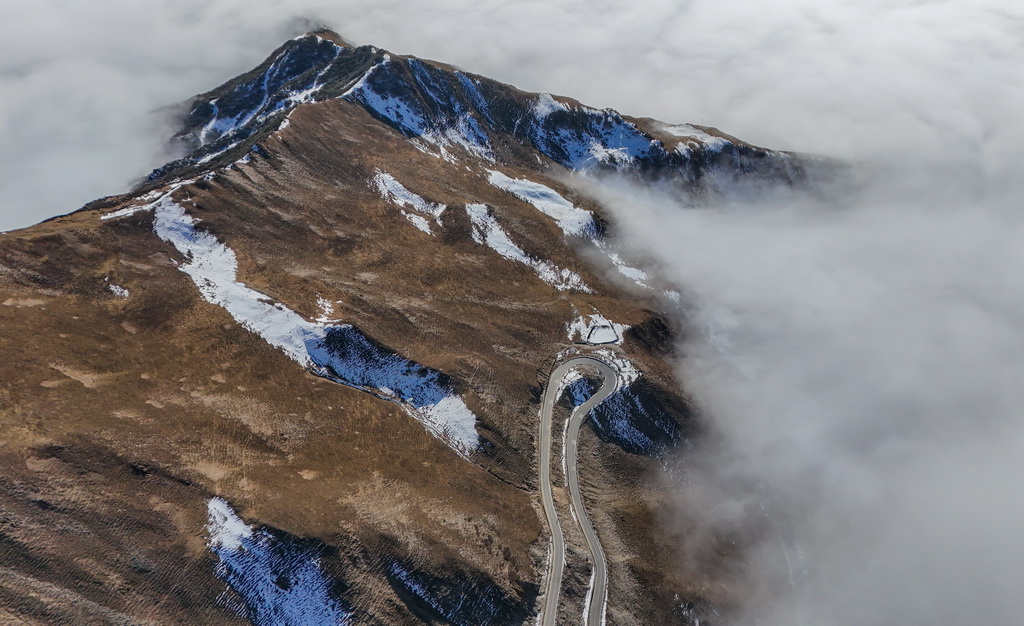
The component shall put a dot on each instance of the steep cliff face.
(297, 372)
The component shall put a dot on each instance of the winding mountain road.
(599, 584)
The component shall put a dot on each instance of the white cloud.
(858, 352)
(80, 81)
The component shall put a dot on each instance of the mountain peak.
(450, 112)
(328, 35)
(327, 333)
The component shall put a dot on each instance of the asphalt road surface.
(599, 587)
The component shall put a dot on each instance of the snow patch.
(698, 138)
(280, 581)
(628, 373)
(592, 137)
(125, 212)
(595, 329)
(412, 120)
(396, 193)
(118, 290)
(471, 88)
(226, 529)
(634, 274)
(450, 418)
(325, 308)
(572, 220)
(486, 231)
(326, 350)
(571, 376)
(545, 105)
(418, 221)
(148, 198)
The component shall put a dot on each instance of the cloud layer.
(858, 351)
(81, 83)
(864, 382)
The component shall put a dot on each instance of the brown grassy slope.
(164, 380)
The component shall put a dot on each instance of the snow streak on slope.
(452, 120)
(377, 91)
(636, 275)
(340, 353)
(572, 220)
(396, 193)
(487, 231)
(279, 581)
(295, 76)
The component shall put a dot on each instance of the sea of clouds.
(857, 352)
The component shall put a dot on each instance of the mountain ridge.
(403, 238)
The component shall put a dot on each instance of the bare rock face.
(295, 376)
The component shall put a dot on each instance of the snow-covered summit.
(453, 115)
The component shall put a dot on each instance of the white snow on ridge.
(222, 126)
(545, 105)
(396, 193)
(607, 138)
(132, 210)
(397, 110)
(213, 268)
(595, 329)
(692, 132)
(486, 231)
(572, 220)
(409, 117)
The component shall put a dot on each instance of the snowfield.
(573, 221)
(628, 373)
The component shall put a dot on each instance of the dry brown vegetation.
(120, 417)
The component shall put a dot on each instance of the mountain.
(296, 375)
